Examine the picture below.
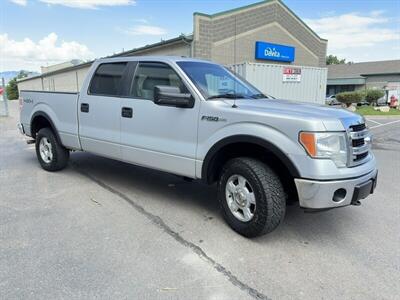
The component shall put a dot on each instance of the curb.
(381, 117)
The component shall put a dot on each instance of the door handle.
(85, 107)
(127, 112)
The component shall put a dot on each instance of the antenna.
(234, 63)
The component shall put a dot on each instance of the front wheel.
(51, 154)
(251, 197)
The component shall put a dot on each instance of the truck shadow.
(152, 189)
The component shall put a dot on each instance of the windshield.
(215, 81)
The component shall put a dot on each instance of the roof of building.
(359, 70)
(182, 37)
(80, 66)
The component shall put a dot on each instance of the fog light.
(339, 195)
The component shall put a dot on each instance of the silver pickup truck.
(198, 120)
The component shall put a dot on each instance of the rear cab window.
(108, 79)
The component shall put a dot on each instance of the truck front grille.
(361, 156)
(359, 144)
(358, 127)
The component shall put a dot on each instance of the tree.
(349, 98)
(12, 87)
(334, 60)
(372, 96)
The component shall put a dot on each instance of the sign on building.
(291, 74)
(269, 51)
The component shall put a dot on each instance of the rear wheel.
(51, 154)
(251, 196)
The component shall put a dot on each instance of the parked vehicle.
(363, 103)
(332, 101)
(196, 119)
(382, 101)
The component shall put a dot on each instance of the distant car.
(332, 101)
(382, 101)
(363, 103)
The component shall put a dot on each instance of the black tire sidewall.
(263, 214)
(58, 161)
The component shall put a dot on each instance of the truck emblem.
(212, 118)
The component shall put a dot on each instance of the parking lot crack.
(167, 229)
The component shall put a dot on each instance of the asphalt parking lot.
(106, 229)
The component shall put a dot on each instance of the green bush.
(12, 89)
(349, 97)
(371, 96)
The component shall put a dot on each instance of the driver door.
(156, 136)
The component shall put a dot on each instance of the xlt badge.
(212, 119)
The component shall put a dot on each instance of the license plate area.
(363, 190)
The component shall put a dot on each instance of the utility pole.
(5, 99)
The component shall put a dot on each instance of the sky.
(36, 33)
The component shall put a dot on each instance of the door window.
(151, 74)
(107, 80)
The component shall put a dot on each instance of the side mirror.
(172, 96)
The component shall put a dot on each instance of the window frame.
(136, 68)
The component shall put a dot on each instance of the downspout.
(190, 44)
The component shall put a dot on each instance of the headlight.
(331, 145)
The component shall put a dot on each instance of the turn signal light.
(307, 139)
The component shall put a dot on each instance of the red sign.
(1, 91)
(290, 71)
(291, 74)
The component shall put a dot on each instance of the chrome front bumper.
(314, 194)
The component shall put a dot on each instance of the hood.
(302, 110)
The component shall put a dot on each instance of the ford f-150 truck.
(199, 120)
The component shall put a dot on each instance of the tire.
(269, 197)
(56, 157)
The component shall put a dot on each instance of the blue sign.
(276, 52)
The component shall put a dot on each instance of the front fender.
(261, 134)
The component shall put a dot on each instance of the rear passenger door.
(99, 110)
(160, 137)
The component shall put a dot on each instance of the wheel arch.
(41, 120)
(211, 162)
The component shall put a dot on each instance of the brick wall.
(269, 21)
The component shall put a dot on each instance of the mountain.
(8, 75)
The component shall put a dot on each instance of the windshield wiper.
(228, 96)
(258, 96)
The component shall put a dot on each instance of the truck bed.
(60, 107)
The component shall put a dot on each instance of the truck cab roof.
(161, 58)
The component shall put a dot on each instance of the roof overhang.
(67, 69)
(346, 81)
(186, 39)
